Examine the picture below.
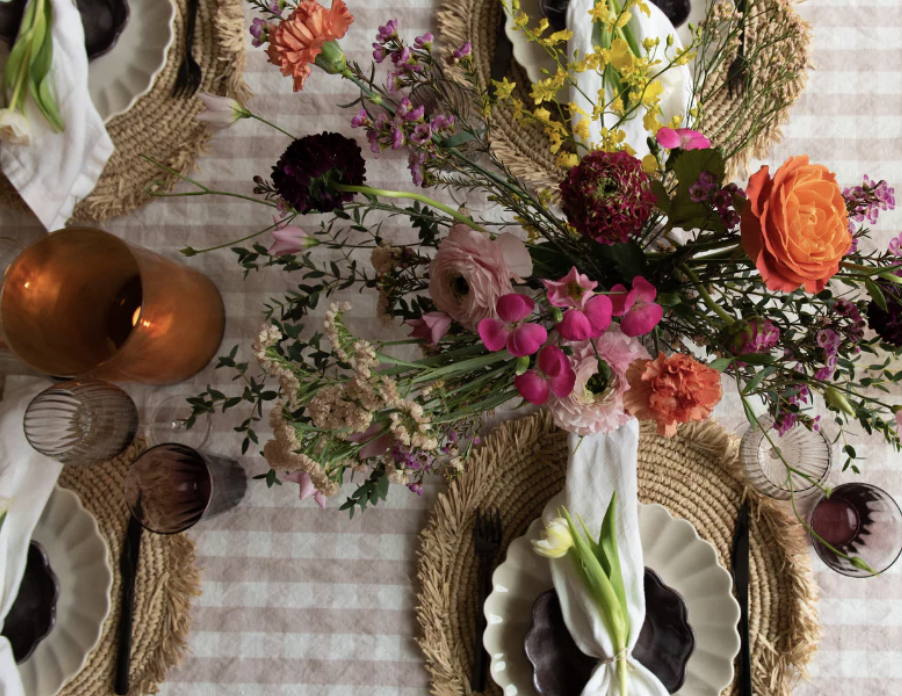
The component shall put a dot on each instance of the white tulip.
(14, 128)
(221, 112)
(557, 541)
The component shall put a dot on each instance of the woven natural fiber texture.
(525, 149)
(161, 126)
(167, 580)
(695, 475)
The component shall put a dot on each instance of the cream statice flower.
(283, 453)
(384, 256)
(557, 540)
(334, 327)
(276, 366)
(596, 403)
(332, 410)
(411, 427)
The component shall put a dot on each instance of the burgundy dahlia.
(607, 196)
(887, 323)
(307, 171)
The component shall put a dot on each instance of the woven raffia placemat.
(161, 126)
(167, 580)
(525, 149)
(695, 475)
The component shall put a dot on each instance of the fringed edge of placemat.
(710, 439)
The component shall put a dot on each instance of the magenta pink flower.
(683, 139)
(431, 327)
(307, 489)
(287, 239)
(552, 375)
(510, 331)
(899, 420)
(637, 307)
(573, 290)
(586, 323)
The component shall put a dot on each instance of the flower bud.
(522, 364)
(557, 541)
(332, 59)
(838, 402)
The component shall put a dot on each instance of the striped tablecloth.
(304, 602)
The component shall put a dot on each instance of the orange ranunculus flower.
(795, 226)
(298, 39)
(671, 390)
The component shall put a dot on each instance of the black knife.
(504, 50)
(740, 561)
(128, 567)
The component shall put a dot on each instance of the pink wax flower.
(470, 272)
(640, 314)
(552, 375)
(307, 489)
(899, 420)
(573, 290)
(431, 327)
(589, 322)
(683, 139)
(595, 405)
(287, 239)
(509, 330)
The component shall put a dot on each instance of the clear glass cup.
(808, 452)
(171, 487)
(169, 423)
(81, 423)
(861, 521)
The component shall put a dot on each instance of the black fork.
(487, 533)
(189, 76)
(738, 70)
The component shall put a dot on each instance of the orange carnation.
(299, 38)
(795, 226)
(671, 390)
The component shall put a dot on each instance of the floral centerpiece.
(631, 292)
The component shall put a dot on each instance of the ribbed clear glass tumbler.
(81, 423)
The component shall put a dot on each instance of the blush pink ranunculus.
(682, 138)
(470, 272)
(595, 404)
(510, 330)
(552, 375)
(640, 314)
(573, 290)
(589, 322)
(431, 327)
(307, 489)
(287, 239)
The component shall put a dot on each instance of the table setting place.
(554, 366)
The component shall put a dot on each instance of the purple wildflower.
(388, 32)
(867, 201)
(462, 52)
(361, 119)
(275, 8)
(415, 488)
(441, 122)
(397, 138)
(416, 163)
(424, 42)
(422, 134)
(260, 31)
(379, 53)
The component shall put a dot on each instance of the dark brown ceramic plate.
(664, 645)
(33, 614)
(103, 20)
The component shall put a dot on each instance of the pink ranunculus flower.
(595, 405)
(509, 330)
(307, 489)
(640, 314)
(373, 446)
(682, 138)
(552, 375)
(589, 322)
(573, 290)
(471, 272)
(287, 239)
(431, 327)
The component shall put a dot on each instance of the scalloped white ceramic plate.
(674, 550)
(78, 556)
(533, 57)
(118, 79)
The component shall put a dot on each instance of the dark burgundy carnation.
(310, 166)
(607, 196)
(887, 323)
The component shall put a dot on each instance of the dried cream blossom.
(384, 256)
(268, 337)
(331, 410)
(383, 304)
(282, 459)
(333, 326)
(411, 427)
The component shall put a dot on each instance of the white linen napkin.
(57, 170)
(598, 466)
(27, 478)
(677, 81)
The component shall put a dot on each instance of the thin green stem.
(272, 125)
(712, 305)
(414, 197)
(204, 191)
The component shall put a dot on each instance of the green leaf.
(720, 364)
(661, 194)
(607, 543)
(757, 379)
(876, 293)
(458, 139)
(627, 258)
(755, 359)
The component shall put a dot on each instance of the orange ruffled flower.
(671, 390)
(299, 38)
(795, 226)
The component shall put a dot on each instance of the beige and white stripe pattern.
(302, 602)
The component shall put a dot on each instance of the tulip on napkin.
(598, 576)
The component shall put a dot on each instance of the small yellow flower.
(652, 93)
(543, 115)
(675, 121)
(556, 142)
(601, 12)
(504, 89)
(650, 121)
(567, 160)
(581, 129)
(649, 164)
(620, 55)
(544, 91)
(648, 43)
(623, 19)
